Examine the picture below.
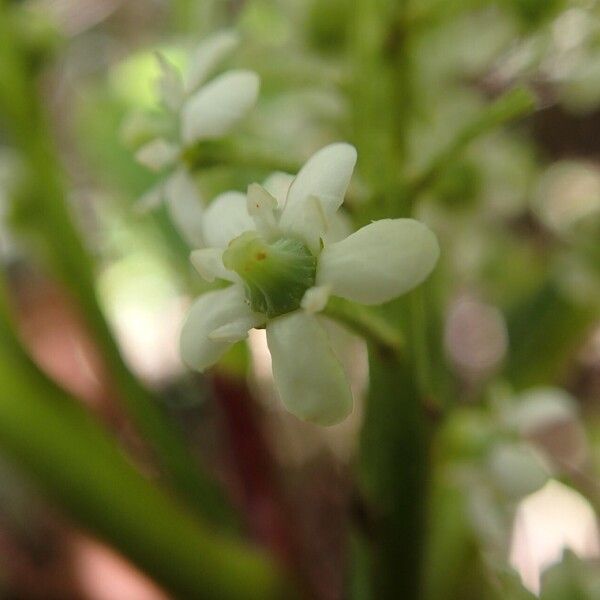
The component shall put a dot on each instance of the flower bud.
(276, 275)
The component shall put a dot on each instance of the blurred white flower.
(541, 408)
(549, 418)
(567, 194)
(517, 469)
(205, 111)
(546, 523)
(276, 250)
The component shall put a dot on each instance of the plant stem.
(241, 154)
(68, 256)
(74, 461)
(394, 457)
(512, 105)
(394, 451)
(260, 491)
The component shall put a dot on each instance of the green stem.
(78, 466)
(454, 567)
(512, 105)
(423, 369)
(241, 154)
(20, 104)
(394, 461)
(395, 438)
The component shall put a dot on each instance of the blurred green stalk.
(394, 458)
(24, 116)
(512, 105)
(394, 450)
(79, 466)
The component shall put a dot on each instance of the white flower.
(275, 246)
(206, 111)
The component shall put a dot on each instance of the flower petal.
(216, 107)
(325, 175)
(310, 224)
(339, 227)
(209, 264)
(207, 55)
(278, 185)
(170, 84)
(150, 199)
(261, 207)
(209, 314)
(157, 154)
(225, 219)
(308, 376)
(233, 331)
(185, 207)
(380, 261)
(315, 298)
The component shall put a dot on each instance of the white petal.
(207, 55)
(315, 298)
(216, 107)
(208, 314)
(518, 469)
(308, 376)
(185, 207)
(540, 408)
(380, 261)
(209, 264)
(225, 219)
(151, 199)
(170, 84)
(157, 154)
(325, 175)
(278, 185)
(234, 331)
(138, 126)
(261, 207)
(309, 224)
(339, 227)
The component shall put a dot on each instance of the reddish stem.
(265, 508)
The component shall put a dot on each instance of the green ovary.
(276, 275)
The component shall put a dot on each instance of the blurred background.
(508, 179)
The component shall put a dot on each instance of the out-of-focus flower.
(517, 469)
(278, 253)
(568, 194)
(475, 338)
(205, 111)
(548, 522)
(549, 418)
(541, 408)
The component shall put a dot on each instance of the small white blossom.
(273, 245)
(157, 154)
(207, 55)
(205, 111)
(219, 105)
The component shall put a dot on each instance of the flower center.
(275, 275)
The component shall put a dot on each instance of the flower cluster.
(283, 247)
(279, 248)
(204, 111)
